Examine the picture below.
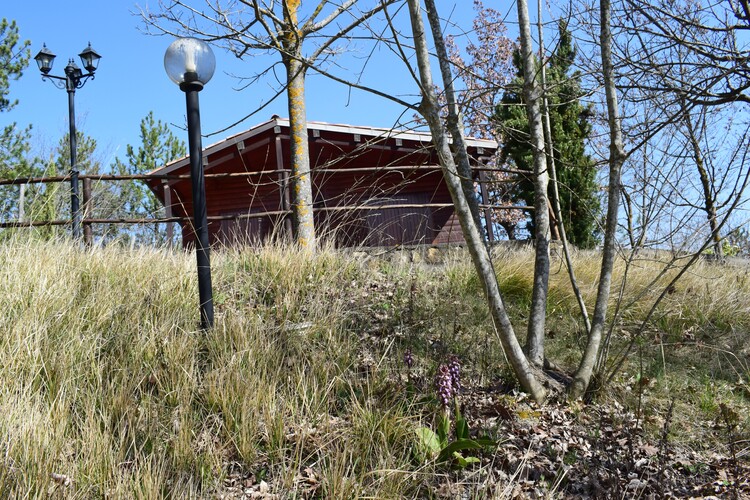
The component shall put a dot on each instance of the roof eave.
(374, 132)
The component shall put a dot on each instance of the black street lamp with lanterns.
(74, 79)
(190, 63)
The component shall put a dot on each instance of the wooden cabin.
(371, 186)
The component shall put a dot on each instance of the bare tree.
(669, 207)
(694, 130)
(685, 43)
(673, 64)
(430, 110)
(527, 369)
(712, 35)
(485, 72)
(582, 377)
(532, 96)
(674, 265)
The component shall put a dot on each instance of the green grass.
(106, 379)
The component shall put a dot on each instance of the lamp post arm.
(54, 77)
(61, 82)
(77, 82)
(68, 83)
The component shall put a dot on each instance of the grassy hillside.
(108, 388)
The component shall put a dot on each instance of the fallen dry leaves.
(596, 451)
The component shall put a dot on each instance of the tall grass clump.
(85, 334)
(109, 388)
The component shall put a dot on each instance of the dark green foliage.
(14, 142)
(158, 147)
(569, 121)
(86, 162)
(51, 201)
(14, 163)
(14, 57)
(439, 446)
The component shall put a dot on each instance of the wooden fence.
(87, 201)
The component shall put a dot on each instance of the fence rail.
(224, 175)
(87, 197)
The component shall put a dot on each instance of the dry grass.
(106, 380)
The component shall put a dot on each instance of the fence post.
(168, 212)
(284, 196)
(483, 180)
(88, 235)
(21, 202)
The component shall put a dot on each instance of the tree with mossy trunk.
(279, 26)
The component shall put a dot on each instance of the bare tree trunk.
(582, 377)
(301, 181)
(709, 201)
(553, 226)
(455, 119)
(475, 242)
(531, 93)
(556, 210)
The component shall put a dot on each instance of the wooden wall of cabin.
(386, 201)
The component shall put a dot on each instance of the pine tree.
(158, 147)
(14, 57)
(570, 124)
(14, 141)
(53, 201)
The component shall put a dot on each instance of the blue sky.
(131, 80)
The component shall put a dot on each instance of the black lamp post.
(190, 63)
(74, 79)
